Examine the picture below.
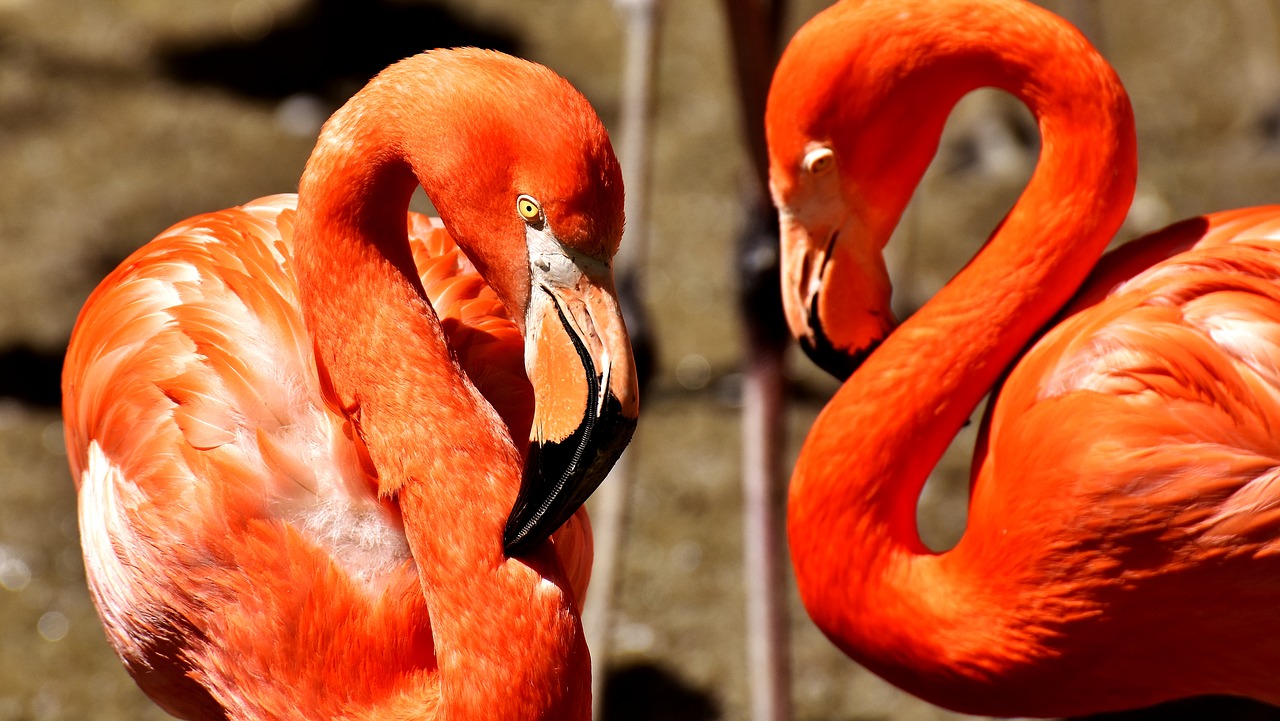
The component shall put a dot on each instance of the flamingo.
(1124, 520)
(297, 426)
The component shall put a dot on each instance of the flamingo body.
(251, 551)
(1122, 535)
(1123, 505)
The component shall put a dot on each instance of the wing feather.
(191, 361)
(1162, 389)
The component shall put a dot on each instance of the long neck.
(867, 579)
(507, 640)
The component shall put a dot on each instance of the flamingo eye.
(529, 209)
(819, 160)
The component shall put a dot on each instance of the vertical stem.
(634, 124)
(754, 28)
(768, 638)
(609, 515)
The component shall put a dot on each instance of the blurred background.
(120, 118)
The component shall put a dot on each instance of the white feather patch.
(106, 536)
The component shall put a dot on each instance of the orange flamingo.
(296, 426)
(1124, 524)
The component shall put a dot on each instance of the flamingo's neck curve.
(507, 639)
(867, 579)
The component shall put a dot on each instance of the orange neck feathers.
(876, 81)
(453, 122)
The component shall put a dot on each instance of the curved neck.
(867, 579)
(437, 446)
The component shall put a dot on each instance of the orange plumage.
(288, 515)
(1123, 526)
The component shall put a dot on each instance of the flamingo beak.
(835, 293)
(586, 403)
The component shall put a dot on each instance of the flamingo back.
(230, 522)
(1150, 416)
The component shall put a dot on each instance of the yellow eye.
(529, 208)
(819, 160)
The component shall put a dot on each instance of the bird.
(1124, 509)
(322, 446)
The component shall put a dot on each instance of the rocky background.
(119, 118)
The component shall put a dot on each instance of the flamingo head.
(578, 357)
(534, 197)
(850, 129)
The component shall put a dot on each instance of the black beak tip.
(515, 541)
(559, 476)
(838, 364)
(530, 516)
